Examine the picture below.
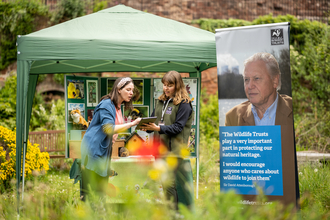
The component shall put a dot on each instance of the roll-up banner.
(257, 148)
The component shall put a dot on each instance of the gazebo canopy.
(116, 39)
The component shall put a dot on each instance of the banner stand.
(253, 62)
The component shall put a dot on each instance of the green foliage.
(311, 91)
(315, 191)
(48, 117)
(8, 103)
(59, 78)
(68, 9)
(311, 69)
(213, 24)
(43, 117)
(99, 5)
(209, 154)
(17, 18)
(209, 116)
(313, 130)
(209, 138)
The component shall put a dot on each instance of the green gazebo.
(116, 39)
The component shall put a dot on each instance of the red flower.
(155, 148)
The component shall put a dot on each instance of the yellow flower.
(154, 174)
(184, 152)
(172, 161)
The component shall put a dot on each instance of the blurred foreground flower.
(80, 211)
(172, 161)
(184, 152)
(112, 190)
(159, 170)
(155, 148)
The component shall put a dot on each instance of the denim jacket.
(96, 145)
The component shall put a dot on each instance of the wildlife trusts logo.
(277, 36)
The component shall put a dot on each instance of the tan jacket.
(241, 115)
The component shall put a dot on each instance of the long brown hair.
(114, 94)
(181, 94)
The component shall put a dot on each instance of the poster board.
(81, 93)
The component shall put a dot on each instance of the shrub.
(209, 139)
(35, 160)
(313, 131)
(43, 117)
(310, 71)
(99, 5)
(68, 9)
(48, 117)
(209, 116)
(213, 24)
(8, 103)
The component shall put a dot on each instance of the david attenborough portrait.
(265, 106)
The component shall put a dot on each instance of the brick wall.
(187, 10)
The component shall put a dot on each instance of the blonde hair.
(181, 94)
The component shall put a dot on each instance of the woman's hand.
(124, 127)
(150, 127)
(136, 121)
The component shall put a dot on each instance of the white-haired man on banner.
(265, 106)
